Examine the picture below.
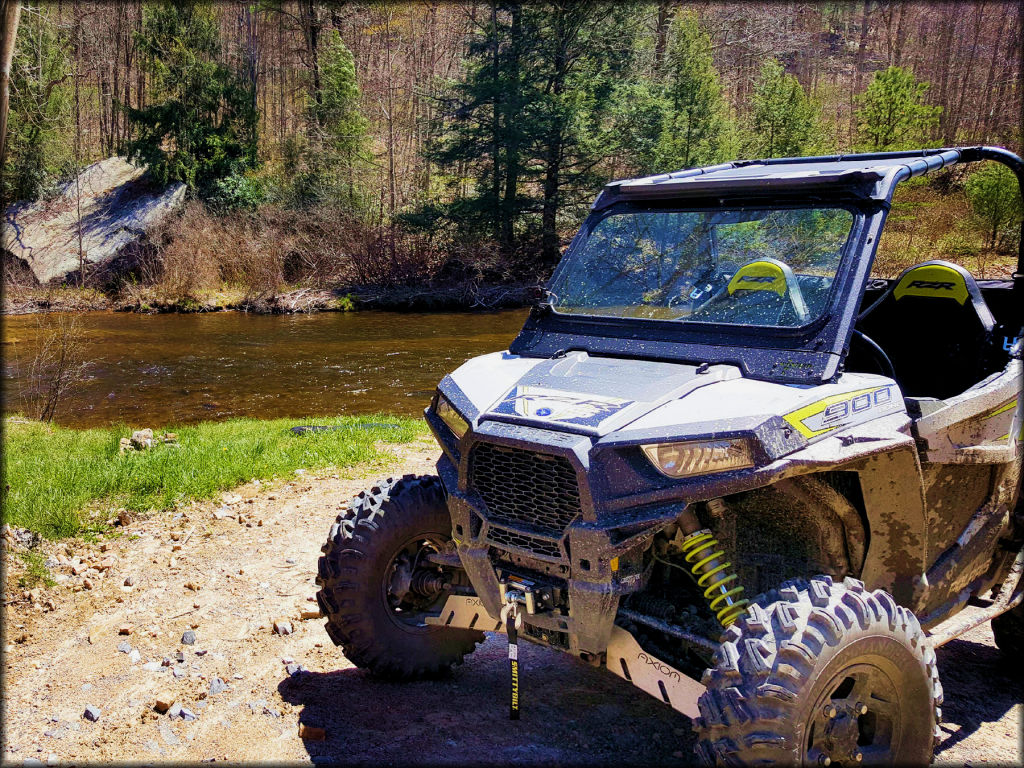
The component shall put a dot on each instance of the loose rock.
(188, 638)
(283, 627)
(163, 701)
(142, 439)
(124, 629)
(217, 686)
(124, 647)
(91, 713)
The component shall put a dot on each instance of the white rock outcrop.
(117, 207)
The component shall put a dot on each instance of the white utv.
(725, 463)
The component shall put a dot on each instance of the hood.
(577, 392)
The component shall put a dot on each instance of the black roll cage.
(866, 180)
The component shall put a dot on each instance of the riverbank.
(62, 482)
(20, 300)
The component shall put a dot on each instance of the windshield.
(738, 267)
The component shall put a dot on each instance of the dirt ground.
(228, 582)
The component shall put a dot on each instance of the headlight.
(446, 411)
(699, 457)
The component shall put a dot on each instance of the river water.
(155, 370)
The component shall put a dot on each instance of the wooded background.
(425, 139)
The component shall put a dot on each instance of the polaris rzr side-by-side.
(726, 463)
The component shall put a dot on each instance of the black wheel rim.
(856, 719)
(408, 610)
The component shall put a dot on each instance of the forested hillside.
(385, 144)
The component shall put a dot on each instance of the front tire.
(379, 631)
(818, 673)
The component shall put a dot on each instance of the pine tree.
(530, 120)
(583, 55)
(485, 131)
(339, 129)
(892, 113)
(201, 127)
(695, 127)
(784, 119)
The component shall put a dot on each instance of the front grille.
(538, 546)
(525, 488)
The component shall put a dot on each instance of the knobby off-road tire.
(792, 676)
(355, 569)
(1008, 630)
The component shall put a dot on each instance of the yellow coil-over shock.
(705, 561)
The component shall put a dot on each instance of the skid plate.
(625, 657)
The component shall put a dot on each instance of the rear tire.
(380, 525)
(793, 675)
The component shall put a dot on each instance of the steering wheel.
(709, 278)
(882, 359)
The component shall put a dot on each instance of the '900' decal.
(844, 410)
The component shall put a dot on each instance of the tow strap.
(513, 621)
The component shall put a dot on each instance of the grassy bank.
(62, 482)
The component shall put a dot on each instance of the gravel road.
(229, 581)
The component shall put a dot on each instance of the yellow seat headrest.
(759, 276)
(932, 281)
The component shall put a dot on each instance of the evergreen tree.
(695, 126)
(784, 119)
(530, 121)
(485, 132)
(583, 55)
(892, 113)
(40, 124)
(338, 129)
(202, 126)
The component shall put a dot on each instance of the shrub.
(236, 193)
(994, 195)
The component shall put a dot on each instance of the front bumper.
(590, 564)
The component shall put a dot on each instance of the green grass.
(56, 480)
(36, 572)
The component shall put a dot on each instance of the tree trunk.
(553, 154)
(496, 125)
(511, 103)
(310, 16)
(982, 121)
(954, 126)
(661, 32)
(10, 13)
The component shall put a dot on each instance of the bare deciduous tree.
(58, 366)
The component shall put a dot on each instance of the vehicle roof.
(862, 176)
